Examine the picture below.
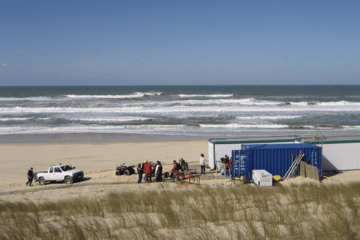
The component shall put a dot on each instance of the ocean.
(179, 111)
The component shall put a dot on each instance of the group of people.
(147, 170)
(178, 166)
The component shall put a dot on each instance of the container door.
(239, 163)
(243, 163)
(235, 163)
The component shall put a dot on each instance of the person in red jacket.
(148, 168)
(229, 171)
(174, 170)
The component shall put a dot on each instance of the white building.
(339, 153)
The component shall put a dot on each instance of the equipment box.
(262, 178)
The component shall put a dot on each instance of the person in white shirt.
(202, 163)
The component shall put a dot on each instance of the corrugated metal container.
(274, 158)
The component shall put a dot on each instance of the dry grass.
(309, 211)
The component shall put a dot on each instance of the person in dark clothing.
(158, 172)
(140, 171)
(184, 165)
(202, 163)
(30, 177)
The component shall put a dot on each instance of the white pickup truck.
(58, 173)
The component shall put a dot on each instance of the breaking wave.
(134, 95)
(234, 125)
(205, 95)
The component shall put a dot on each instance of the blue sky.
(179, 42)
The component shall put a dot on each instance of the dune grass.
(308, 211)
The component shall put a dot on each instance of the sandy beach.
(97, 160)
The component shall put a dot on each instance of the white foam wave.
(179, 109)
(340, 103)
(11, 99)
(299, 103)
(95, 129)
(123, 119)
(309, 127)
(156, 129)
(47, 118)
(13, 119)
(209, 102)
(205, 95)
(269, 117)
(234, 125)
(326, 104)
(350, 127)
(134, 95)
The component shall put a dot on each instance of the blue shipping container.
(274, 158)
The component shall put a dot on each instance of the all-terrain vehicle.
(125, 170)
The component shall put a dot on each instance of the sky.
(179, 42)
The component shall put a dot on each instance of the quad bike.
(125, 170)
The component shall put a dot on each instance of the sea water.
(202, 111)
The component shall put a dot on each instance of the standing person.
(140, 172)
(148, 171)
(30, 176)
(183, 164)
(230, 166)
(158, 172)
(227, 169)
(202, 163)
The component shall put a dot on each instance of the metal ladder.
(294, 166)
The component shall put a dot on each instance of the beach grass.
(306, 211)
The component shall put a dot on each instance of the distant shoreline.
(90, 137)
(124, 137)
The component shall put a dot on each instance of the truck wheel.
(68, 180)
(42, 181)
(127, 172)
(117, 172)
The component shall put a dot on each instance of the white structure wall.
(341, 156)
(218, 148)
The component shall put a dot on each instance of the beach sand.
(97, 160)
